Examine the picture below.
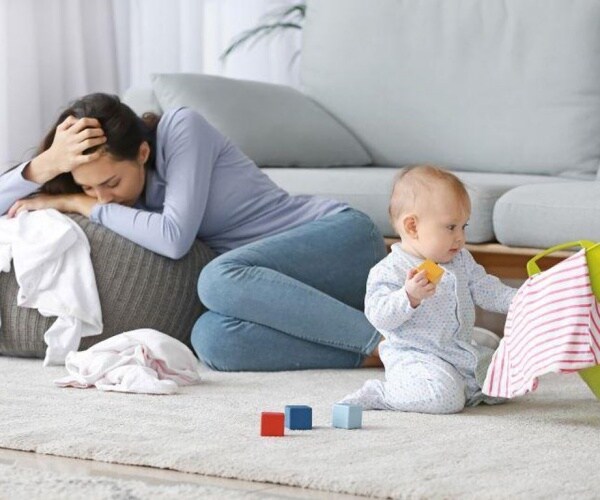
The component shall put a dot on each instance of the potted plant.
(273, 22)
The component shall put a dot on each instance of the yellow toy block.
(434, 272)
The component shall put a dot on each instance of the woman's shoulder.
(182, 126)
(182, 118)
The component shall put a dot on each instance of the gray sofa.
(506, 93)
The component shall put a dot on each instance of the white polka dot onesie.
(431, 364)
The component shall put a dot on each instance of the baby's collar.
(414, 260)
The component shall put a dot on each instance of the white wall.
(53, 51)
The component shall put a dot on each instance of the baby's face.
(440, 228)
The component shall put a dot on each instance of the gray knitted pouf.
(137, 288)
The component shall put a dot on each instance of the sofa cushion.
(368, 189)
(137, 289)
(142, 100)
(545, 215)
(494, 85)
(274, 125)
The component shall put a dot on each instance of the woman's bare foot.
(372, 361)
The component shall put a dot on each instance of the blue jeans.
(291, 301)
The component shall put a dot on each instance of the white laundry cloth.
(144, 361)
(54, 271)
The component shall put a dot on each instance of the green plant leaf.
(291, 17)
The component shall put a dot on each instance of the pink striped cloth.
(553, 325)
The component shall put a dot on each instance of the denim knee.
(218, 286)
(207, 337)
(209, 277)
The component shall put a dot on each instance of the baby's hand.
(418, 287)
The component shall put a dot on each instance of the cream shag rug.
(546, 444)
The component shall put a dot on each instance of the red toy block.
(272, 423)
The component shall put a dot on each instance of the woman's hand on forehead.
(79, 124)
(72, 140)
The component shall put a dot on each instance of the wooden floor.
(82, 469)
(507, 262)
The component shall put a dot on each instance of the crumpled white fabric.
(51, 256)
(141, 361)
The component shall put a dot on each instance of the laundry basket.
(591, 375)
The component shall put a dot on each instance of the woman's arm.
(71, 138)
(41, 169)
(79, 203)
(14, 186)
(191, 147)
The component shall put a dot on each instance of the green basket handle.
(533, 268)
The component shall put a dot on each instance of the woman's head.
(118, 175)
(113, 181)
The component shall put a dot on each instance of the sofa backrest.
(487, 85)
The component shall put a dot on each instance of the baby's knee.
(426, 396)
(448, 397)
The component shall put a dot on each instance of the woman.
(286, 291)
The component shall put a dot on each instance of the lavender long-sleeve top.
(203, 187)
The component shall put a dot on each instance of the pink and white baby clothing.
(553, 325)
(431, 364)
(142, 361)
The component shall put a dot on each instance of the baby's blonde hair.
(411, 182)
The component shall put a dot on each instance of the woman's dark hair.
(124, 131)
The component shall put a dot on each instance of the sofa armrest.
(274, 125)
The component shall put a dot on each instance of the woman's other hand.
(66, 203)
(72, 137)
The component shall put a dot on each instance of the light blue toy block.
(298, 417)
(347, 416)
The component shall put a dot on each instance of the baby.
(431, 363)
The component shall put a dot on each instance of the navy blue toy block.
(298, 417)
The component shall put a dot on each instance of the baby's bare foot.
(371, 362)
